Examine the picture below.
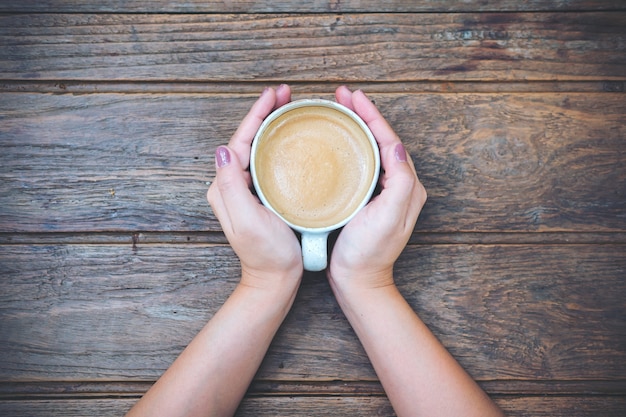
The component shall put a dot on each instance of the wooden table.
(111, 259)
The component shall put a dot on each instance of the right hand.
(369, 245)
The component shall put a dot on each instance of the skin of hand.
(418, 374)
(369, 245)
(211, 375)
(265, 245)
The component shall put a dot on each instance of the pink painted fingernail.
(400, 153)
(222, 156)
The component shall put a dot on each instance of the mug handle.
(314, 252)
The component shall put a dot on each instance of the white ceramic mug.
(314, 240)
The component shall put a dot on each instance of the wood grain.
(141, 162)
(320, 47)
(507, 312)
(312, 6)
(111, 259)
(582, 406)
(38, 390)
(349, 406)
(68, 307)
(253, 87)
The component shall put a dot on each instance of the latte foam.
(314, 166)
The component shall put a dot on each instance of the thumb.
(397, 167)
(232, 179)
(222, 156)
(230, 195)
(402, 192)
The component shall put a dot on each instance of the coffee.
(314, 166)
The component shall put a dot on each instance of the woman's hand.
(368, 246)
(418, 374)
(267, 248)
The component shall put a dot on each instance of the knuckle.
(422, 192)
(224, 182)
(211, 194)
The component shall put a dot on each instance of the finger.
(242, 139)
(402, 167)
(344, 96)
(400, 153)
(402, 196)
(400, 183)
(398, 175)
(214, 196)
(283, 95)
(385, 136)
(402, 191)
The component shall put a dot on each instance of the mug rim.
(313, 103)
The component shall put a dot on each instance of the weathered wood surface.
(507, 312)
(320, 47)
(340, 388)
(378, 406)
(308, 88)
(312, 6)
(111, 260)
(591, 406)
(141, 162)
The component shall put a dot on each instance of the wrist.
(276, 284)
(352, 279)
(359, 302)
(267, 303)
(357, 287)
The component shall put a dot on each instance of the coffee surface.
(314, 165)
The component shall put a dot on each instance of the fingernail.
(265, 90)
(362, 92)
(281, 87)
(222, 156)
(400, 153)
(365, 95)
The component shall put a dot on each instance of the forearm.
(212, 374)
(418, 374)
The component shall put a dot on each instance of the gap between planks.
(131, 389)
(308, 8)
(218, 238)
(254, 88)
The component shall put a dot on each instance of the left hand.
(267, 248)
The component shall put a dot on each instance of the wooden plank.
(354, 406)
(319, 47)
(563, 406)
(118, 159)
(421, 238)
(70, 307)
(67, 407)
(130, 163)
(118, 313)
(252, 87)
(38, 390)
(380, 406)
(312, 6)
(541, 294)
(582, 406)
